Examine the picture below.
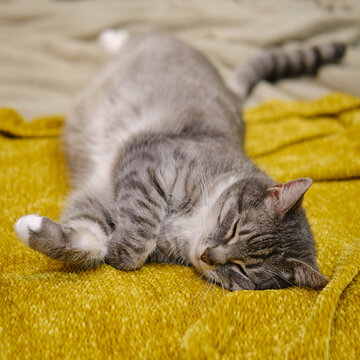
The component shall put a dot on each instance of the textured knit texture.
(165, 311)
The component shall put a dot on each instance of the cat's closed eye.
(236, 232)
(232, 232)
(239, 268)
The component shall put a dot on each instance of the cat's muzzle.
(205, 257)
(214, 256)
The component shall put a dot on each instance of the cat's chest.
(182, 233)
(176, 238)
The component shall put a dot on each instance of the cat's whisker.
(213, 290)
(217, 279)
(272, 278)
(197, 306)
(196, 278)
(204, 297)
(281, 277)
(222, 285)
(199, 291)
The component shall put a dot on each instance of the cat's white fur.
(89, 237)
(25, 224)
(204, 220)
(111, 41)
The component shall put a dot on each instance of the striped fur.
(276, 64)
(154, 147)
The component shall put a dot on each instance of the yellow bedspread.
(165, 311)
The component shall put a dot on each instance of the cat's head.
(262, 239)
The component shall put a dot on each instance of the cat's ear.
(305, 275)
(282, 197)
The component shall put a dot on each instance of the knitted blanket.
(165, 311)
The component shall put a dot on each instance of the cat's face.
(261, 240)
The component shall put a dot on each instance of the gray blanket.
(49, 52)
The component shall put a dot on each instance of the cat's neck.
(185, 232)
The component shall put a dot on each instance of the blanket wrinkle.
(165, 311)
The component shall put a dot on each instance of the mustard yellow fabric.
(167, 312)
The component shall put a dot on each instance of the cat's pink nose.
(205, 257)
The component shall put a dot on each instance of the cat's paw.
(26, 224)
(111, 41)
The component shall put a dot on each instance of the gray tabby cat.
(154, 147)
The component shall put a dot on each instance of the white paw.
(25, 224)
(111, 41)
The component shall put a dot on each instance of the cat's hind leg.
(80, 239)
(111, 40)
(81, 243)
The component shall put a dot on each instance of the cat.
(155, 151)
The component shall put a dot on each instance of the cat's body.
(173, 125)
(155, 151)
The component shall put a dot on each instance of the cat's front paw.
(26, 224)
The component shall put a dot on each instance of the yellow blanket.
(168, 312)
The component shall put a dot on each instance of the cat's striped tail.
(276, 64)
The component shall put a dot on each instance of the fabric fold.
(13, 125)
(317, 138)
(164, 311)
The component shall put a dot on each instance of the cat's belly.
(108, 137)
